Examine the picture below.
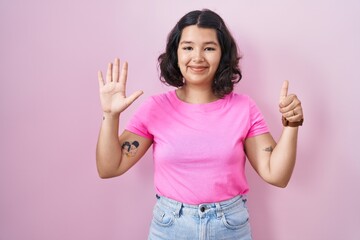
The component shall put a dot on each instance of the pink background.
(50, 113)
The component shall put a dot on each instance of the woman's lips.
(197, 69)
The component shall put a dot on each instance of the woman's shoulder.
(158, 100)
(239, 98)
(162, 97)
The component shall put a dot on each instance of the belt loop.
(219, 211)
(177, 209)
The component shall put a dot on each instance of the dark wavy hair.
(228, 72)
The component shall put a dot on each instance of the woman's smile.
(198, 69)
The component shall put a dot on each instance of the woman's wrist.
(107, 115)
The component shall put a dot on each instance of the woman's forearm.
(108, 149)
(282, 159)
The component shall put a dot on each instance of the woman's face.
(199, 55)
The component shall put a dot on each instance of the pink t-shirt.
(198, 148)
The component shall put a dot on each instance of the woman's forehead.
(195, 34)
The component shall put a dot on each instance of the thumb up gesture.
(290, 107)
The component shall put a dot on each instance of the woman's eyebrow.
(205, 43)
(210, 42)
(186, 42)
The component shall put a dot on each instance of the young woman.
(201, 134)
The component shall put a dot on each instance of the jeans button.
(202, 209)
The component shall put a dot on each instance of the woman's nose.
(198, 56)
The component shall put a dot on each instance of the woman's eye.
(187, 48)
(209, 49)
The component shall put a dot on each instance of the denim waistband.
(205, 208)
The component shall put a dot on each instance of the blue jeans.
(173, 220)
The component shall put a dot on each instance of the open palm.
(113, 92)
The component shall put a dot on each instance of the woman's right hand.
(113, 92)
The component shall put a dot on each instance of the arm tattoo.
(268, 149)
(130, 148)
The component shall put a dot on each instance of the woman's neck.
(196, 95)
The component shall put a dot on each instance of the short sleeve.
(139, 122)
(256, 120)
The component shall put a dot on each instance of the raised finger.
(134, 96)
(100, 79)
(115, 73)
(284, 90)
(109, 73)
(123, 76)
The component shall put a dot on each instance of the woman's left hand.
(289, 105)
